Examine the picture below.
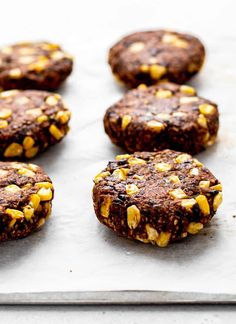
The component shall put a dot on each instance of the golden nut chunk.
(30, 153)
(144, 68)
(56, 132)
(136, 47)
(194, 228)
(41, 222)
(126, 119)
(179, 114)
(121, 173)
(45, 194)
(174, 178)
(163, 239)
(28, 212)
(217, 201)
(13, 150)
(178, 193)
(51, 100)
(197, 163)
(3, 123)
(15, 73)
(105, 207)
(45, 184)
(206, 109)
(133, 216)
(100, 176)
(131, 189)
(162, 167)
(155, 125)
(203, 204)
(151, 233)
(187, 100)
(174, 40)
(26, 59)
(14, 213)
(182, 158)
(12, 188)
(188, 203)
(217, 187)
(42, 119)
(202, 121)
(122, 156)
(26, 172)
(204, 184)
(133, 161)
(9, 93)
(35, 112)
(157, 71)
(163, 116)
(194, 172)
(5, 113)
(57, 55)
(63, 116)
(187, 90)
(142, 86)
(34, 201)
(163, 94)
(138, 177)
(28, 142)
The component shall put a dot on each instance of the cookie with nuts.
(30, 122)
(26, 198)
(163, 116)
(156, 198)
(34, 65)
(146, 57)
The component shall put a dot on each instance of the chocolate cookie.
(39, 65)
(146, 57)
(26, 194)
(30, 122)
(163, 116)
(156, 197)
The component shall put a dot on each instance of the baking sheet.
(74, 255)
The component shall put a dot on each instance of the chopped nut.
(13, 188)
(206, 137)
(33, 167)
(155, 125)
(163, 239)
(22, 100)
(194, 228)
(15, 73)
(40, 65)
(203, 204)
(26, 59)
(194, 172)
(34, 201)
(144, 68)
(174, 179)
(5, 113)
(138, 177)
(41, 222)
(217, 200)
(126, 119)
(133, 216)
(187, 100)
(13, 150)
(30, 153)
(142, 86)
(204, 184)
(51, 100)
(34, 112)
(162, 167)
(63, 116)
(136, 47)
(134, 160)
(9, 93)
(187, 90)
(206, 109)
(163, 116)
(28, 212)
(100, 176)
(26, 172)
(3, 123)
(131, 189)
(217, 187)
(182, 158)
(120, 173)
(197, 163)
(56, 132)
(178, 193)
(48, 207)
(174, 40)
(42, 119)
(57, 55)
(12, 223)
(179, 114)
(188, 203)
(14, 213)
(163, 94)
(211, 141)
(45, 184)
(105, 207)
(28, 142)
(151, 233)
(45, 194)
(122, 156)
(202, 121)
(157, 71)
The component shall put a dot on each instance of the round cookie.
(157, 197)
(26, 194)
(163, 116)
(146, 57)
(38, 65)
(30, 122)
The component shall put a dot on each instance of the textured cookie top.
(19, 182)
(158, 54)
(26, 59)
(167, 109)
(28, 119)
